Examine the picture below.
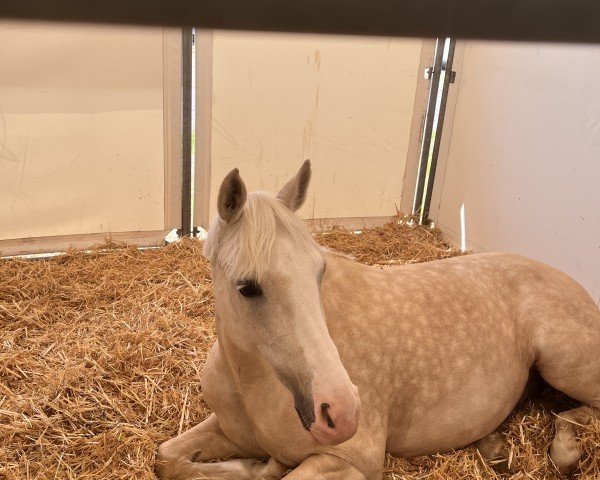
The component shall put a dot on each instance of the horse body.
(433, 344)
(440, 353)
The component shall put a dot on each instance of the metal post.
(439, 124)
(434, 73)
(186, 136)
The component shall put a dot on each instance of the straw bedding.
(100, 356)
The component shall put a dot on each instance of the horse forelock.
(243, 248)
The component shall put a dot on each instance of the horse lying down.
(323, 364)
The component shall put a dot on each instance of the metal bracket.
(428, 74)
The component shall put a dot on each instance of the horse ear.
(293, 193)
(232, 197)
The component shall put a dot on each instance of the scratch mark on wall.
(350, 152)
(371, 144)
(307, 134)
(223, 132)
(317, 59)
(81, 209)
(591, 127)
(5, 152)
(74, 160)
(3, 126)
(23, 143)
(245, 160)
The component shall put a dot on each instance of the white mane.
(243, 249)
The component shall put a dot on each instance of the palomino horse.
(323, 364)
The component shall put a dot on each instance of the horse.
(323, 364)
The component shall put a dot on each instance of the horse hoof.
(501, 466)
(495, 452)
(565, 457)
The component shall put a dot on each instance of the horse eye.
(249, 289)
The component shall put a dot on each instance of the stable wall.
(522, 154)
(89, 133)
(266, 102)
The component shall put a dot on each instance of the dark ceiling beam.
(534, 20)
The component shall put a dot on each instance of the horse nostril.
(330, 423)
(324, 410)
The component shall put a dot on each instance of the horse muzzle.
(337, 412)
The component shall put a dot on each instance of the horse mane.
(243, 248)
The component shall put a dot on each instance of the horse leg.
(495, 452)
(182, 457)
(569, 360)
(326, 467)
(564, 450)
(493, 448)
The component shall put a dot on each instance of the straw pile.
(100, 356)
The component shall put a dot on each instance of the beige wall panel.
(523, 155)
(344, 102)
(81, 130)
